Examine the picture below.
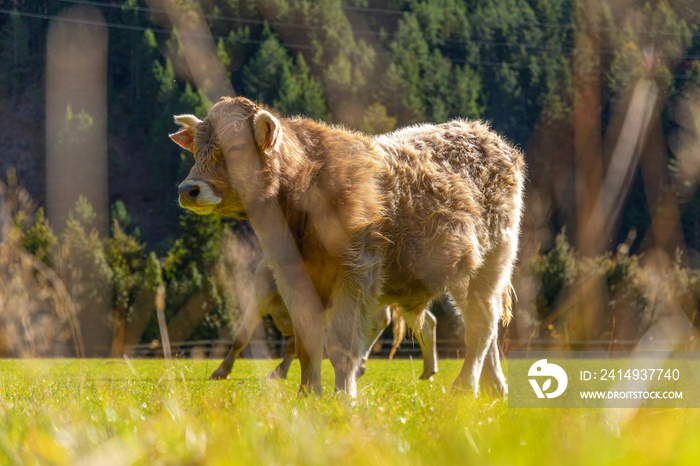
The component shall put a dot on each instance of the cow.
(351, 223)
(267, 301)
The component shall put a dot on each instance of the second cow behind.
(265, 300)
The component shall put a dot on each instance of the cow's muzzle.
(195, 193)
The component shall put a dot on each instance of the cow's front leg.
(344, 343)
(383, 319)
(264, 298)
(251, 319)
(280, 372)
(310, 365)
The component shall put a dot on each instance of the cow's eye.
(206, 151)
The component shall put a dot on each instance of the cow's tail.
(509, 298)
(399, 330)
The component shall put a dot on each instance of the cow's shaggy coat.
(350, 224)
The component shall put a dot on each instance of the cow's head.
(231, 148)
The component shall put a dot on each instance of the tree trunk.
(189, 316)
(144, 308)
(119, 326)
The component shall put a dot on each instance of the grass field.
(153, 412)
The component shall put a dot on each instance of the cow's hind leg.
(492, 380)
(425, 334)
(481, 302)
(481, 308)
(428, 346)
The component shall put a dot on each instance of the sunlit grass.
(151, 411)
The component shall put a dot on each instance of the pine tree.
(300, 93)
(263, 74)
(80, 261)
(125, 256)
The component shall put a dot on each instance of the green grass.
(148, 411)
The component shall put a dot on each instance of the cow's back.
(456, 192)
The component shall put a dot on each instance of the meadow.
(110, 411)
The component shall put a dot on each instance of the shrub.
(553, 272)
(39, 239)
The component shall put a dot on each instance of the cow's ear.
(185, 137)
(268, 131)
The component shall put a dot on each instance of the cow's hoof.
(219, 374)
(495, 390)
(276, 375)
(461, 387)
(306, 390)
(427, 375)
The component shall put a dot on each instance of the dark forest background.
(551, 75)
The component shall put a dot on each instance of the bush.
(553, 272)
(610, 298)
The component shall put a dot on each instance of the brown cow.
(267, 301)
(350, 224)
